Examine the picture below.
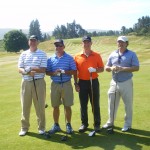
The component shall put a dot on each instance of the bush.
(15, 40)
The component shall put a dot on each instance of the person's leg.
(83, 96)
(96, 104)
(113, 102)
(68, 113)
(39, 102)
(67, 100)
(55, 102)
(56, 113)
(127, 96)
(26, 101)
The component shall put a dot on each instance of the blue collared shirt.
(128, 59)
(66, 62)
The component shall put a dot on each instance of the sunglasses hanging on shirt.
(119, 59)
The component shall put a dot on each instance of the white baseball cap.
(122, 38)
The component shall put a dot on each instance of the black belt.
(38, 79)
(87, 80)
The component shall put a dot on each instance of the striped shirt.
(33, 59)
(65, 62)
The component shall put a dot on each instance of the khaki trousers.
(27, 95)
(123, 90)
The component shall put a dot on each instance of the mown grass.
(1, 45)
(10, 111)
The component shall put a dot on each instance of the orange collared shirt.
(83, 63)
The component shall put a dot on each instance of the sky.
(90, 14)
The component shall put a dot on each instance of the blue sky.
(90, 14)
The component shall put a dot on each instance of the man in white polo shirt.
(32, 65)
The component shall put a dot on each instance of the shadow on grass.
(132, 140)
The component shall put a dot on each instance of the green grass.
(1, 46)
(10, 110)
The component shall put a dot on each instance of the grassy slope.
(10, 104)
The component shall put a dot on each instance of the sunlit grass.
(10, 110)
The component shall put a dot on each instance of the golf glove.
(27, 69)
(62, 71)
(91, 69)
(58, 74)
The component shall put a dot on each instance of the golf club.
(46, 134)
(35, 89)
(65, 137)
(111, 129)
(92, 133)
(46, 105)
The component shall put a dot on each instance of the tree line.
(16, 40)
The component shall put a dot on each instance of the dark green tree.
(123, 30)
(31, 28)
(15, 40)
(34, 29)
(57, 32)
(142, 27)
(72, 30)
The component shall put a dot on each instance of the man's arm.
(119, 68)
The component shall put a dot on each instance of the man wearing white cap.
(122, 62)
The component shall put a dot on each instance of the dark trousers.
(84, 95)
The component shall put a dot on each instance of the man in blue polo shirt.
(61, 66)
(122, 63)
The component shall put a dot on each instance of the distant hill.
(97, 30)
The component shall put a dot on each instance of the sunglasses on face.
(33, 40)
(59, 45)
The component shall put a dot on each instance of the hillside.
(104, 45)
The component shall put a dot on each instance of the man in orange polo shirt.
(89, 64)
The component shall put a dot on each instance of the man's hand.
(62, 71)
(91, 69)
(27, 69)
(116, 69)
(59, 71)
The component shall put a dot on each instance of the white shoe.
(22, 133)
(105, 126)
(125, 129)
(41, 132)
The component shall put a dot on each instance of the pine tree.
(34, 29)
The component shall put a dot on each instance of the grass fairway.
(10, 109)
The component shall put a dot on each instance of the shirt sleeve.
(20, 61)
(44, 60)
(48, 65)
(135, 61)
(100, 61)
(72, 64)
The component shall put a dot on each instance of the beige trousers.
(116, 91)
(28, 94)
